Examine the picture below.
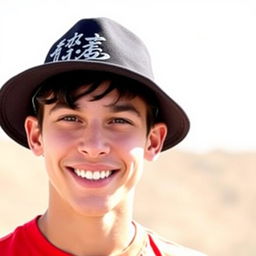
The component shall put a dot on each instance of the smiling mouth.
(93, 175)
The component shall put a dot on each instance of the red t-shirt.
(27, 240)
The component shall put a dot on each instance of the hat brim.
(16, 94)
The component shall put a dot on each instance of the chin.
(92, 207)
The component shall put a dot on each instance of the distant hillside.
(205, 201)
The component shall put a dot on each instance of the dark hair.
(61, 88)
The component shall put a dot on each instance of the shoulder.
(11, 243)
(168, 248)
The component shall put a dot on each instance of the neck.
(78, 234)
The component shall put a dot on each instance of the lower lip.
(92, 183)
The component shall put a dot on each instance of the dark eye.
(120, 121)
(70, 119)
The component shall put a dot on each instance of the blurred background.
(201, 193)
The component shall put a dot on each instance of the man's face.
(94, 154)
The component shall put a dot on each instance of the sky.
(203, 55)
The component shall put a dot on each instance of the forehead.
(67, 87)
(103, 96)
(113, 99)
(66, 91)
(91, 89)
(105, 91)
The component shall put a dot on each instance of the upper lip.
(94, 167)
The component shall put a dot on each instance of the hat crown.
(102, 40)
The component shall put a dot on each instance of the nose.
(94, 143)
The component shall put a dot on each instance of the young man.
(94, 113)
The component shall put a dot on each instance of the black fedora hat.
(98, 44)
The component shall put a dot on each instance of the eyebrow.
(124, 107)
(59, 106)
(121, 107)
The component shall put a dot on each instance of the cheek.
(57, 139)
(135, 167)
(130, 141)
(131, 149)
(56, 146)
(137, 155)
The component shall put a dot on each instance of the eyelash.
(70, 119)
(120, 121)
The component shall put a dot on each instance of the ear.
(155, 141)
(34, 137)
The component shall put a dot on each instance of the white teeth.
(92, 175)
(104, 174)
(96, 175)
